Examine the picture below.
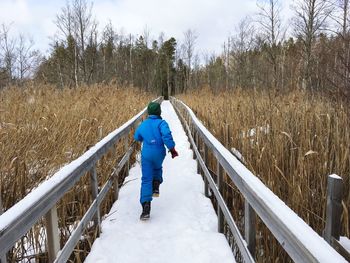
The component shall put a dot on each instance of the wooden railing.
(41, 202)
(295, 236)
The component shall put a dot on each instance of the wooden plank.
(334, 207)
(52, 233)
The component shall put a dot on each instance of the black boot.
(156, 184)
(146, 210)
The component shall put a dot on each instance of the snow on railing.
(41, 202)
(297, 238)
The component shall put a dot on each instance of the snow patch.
(335, 176)
(345, 242)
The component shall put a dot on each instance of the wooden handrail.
(17, 221)
(298, 239)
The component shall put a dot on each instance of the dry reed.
(43, 128)
(292, 142)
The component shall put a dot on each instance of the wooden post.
(190, 131)
(2, 257)
(116, 178)
(94, 193)
(249, 227)
(195, 142)
(334, 207)
(227, 137)
(199, 151)
(126, 148)
(116, 187)
(53, 239)
(220, 180)
(205, 157)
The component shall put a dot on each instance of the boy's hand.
(173, 153)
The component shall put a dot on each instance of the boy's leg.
(157, 174)
(158, 169)
(146, 180)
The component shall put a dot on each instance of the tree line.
(315, 55)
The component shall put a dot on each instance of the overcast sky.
(213, 20)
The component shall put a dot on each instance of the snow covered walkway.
(183, 223)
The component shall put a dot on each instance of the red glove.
(173, 153)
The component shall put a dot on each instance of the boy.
(154, 132)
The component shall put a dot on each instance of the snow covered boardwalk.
(183, 224)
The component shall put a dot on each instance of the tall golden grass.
(298, 140)
(43, 128)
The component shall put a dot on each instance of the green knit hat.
(154, 108)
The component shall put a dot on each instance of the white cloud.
(15, 11)
(213, 20)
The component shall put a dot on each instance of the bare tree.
(241, 43)
(66, 25)
(189, 45)
(341, 71)
(270, 20)
(146, 35)
(226, 59)
(84, 27)
(77, 25)
(7, 51)
(310, 20)
(108, 46)
(64, 21)
(270, 23)
(343, 5)
(27, 58)
(345, 57)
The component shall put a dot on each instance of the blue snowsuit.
(154, 132)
